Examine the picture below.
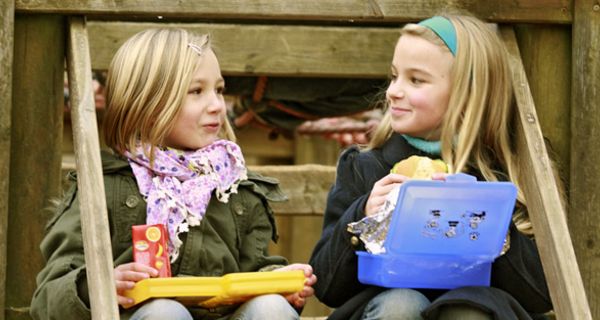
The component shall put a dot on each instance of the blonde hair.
(147, 82)
(478, 126)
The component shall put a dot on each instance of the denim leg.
(159, 309)
(463, 312)
(401, 304)
(266, 307)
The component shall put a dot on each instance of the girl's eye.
(220, 90)
(393, 77)
(195, 91)
(416, 80)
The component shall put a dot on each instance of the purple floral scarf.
(179, 185)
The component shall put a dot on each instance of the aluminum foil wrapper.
(373, 230)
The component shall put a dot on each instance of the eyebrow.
(413, 70)
(200, 81)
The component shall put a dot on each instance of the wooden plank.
(271, 49)
(316, 149)
(550, 83)
(306, 186)
(543, 200)
(7, 14)
(585, 143)
(349, 11)
(36, 134)
(92, 200)
(259, 149)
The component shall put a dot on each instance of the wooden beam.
(306, 186)
(549, 78)
(349, 11)
(7, 15)
(585, 143)
(272, 49)
(90, 182)
(543, 200)
(35, 150)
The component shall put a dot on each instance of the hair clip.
(196, 48)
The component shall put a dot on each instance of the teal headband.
(444, 29)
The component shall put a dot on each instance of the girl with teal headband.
(450, 97)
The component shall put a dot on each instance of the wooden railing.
(31, 112)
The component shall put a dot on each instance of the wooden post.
(35, 150)
(90, 181)
(546, 54)
(543, 200)
(7, 14)
(585, 144)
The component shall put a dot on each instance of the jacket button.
(238, 208)
(354, 241)
(132, 201)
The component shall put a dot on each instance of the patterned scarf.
(179, 185)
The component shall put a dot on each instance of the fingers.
(124, 301)
(137, 267)
(380, 191)
(439, 176)
(126, 275)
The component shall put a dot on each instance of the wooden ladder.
(545, 208)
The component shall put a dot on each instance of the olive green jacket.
(232, 237)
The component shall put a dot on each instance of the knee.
(465, 312)
(269, 306)
(162, 309)
(396, 304)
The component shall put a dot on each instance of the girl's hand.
(298, 299)
(126, 275)
(380, 191)
(439, 176)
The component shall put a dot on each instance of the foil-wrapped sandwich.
(372, 230)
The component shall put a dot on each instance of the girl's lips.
(397, 111)
(212, 127)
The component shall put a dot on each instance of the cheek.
(420, 99)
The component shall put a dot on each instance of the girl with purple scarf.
(175, 163)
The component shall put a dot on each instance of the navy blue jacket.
(518, 287)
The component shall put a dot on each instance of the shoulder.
(263, 186)
(356, 164)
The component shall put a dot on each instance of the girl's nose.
(395, 90)
(216, 104)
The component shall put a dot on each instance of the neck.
(431, 147)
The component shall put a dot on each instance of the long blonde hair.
(478, 127)
(146, 85)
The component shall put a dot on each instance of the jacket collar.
(396, 148)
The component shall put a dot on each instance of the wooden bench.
(319, 48)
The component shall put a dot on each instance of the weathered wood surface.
(306, 186)
(543, 200)
(92, 200)
(7, 12)
(272, 49)
(35, 150)
(585, 143)
(554, 11)
(546, 54)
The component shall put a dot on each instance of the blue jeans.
(404, 304)
(158, 309)
(265, 307)
(270, 306)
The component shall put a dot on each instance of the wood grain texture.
(272, 49)
(305, 185)
(7, 12)
(543, 200)
(35, 150)
(554, 11)
(585, 143)
(90, 182)
(546, 54)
